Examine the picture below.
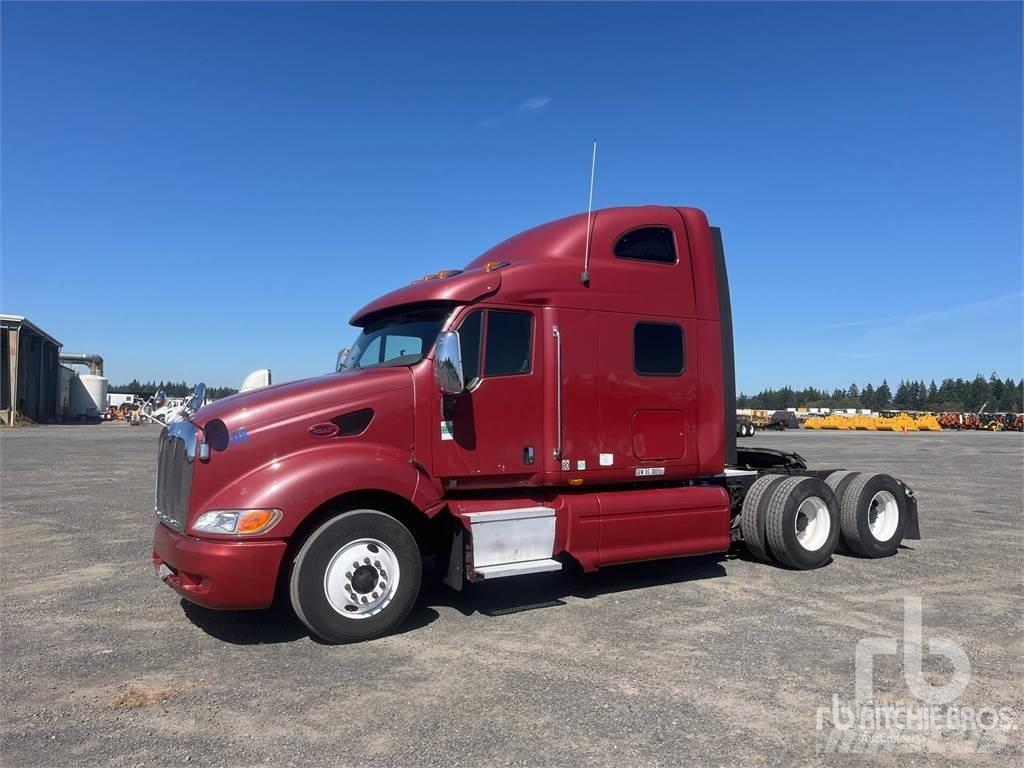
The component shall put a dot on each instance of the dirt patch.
(136, 695)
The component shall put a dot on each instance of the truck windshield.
(397, 340)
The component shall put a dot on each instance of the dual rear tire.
(873, 514)
(799, 521)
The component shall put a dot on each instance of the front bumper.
(224, 575)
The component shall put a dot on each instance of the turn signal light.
(238, 522)
(255, 520)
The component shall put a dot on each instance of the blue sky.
(195, 191)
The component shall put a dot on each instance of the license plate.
(164, 572)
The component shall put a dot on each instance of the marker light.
(449, 273)
(490, 266)
(237, 522)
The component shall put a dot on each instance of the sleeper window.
(648, 244)
(658, 349)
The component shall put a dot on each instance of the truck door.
(491, 434)
(649, 394)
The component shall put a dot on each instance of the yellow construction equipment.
(836, 422)
(899, 423)
(863, 421)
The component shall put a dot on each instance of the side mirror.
(448, 363)
(342, 362)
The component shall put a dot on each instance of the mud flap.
(457, 559)
(913, 529)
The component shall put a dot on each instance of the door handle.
(529, 455)
(557, 451)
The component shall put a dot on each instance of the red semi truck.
(506, 418)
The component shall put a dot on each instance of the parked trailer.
(507, 417)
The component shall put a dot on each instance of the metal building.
(30, 375)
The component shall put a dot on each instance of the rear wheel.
(874, 515)
(839, 481)
(356, 576)
(755, 505)
(802, 523)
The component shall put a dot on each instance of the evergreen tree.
(867, 396)
(902, 397)
(883, 396)
(978, 394)
(996, 394)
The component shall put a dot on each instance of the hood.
(282, 401)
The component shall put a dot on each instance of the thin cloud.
(932, 315)
(532, 104)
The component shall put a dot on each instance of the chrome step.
(517, 569)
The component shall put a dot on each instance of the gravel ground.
(707, 661)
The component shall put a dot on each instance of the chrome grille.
(174, 463)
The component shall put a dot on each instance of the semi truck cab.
(506, 418)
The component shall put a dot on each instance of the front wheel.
(356, 577)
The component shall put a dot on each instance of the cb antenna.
(585, 275)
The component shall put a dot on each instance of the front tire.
(356, 577)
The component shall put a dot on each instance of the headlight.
(239, 522)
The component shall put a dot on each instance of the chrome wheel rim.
(361, 578)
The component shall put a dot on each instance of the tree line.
(997, 395)
(958, 395)
(171, 388)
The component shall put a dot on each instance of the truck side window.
(508, 343)
(470, 336)
(658, 349)
(648, 244)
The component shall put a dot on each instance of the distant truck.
(779, 420)
(567, 396)
(116, 400)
